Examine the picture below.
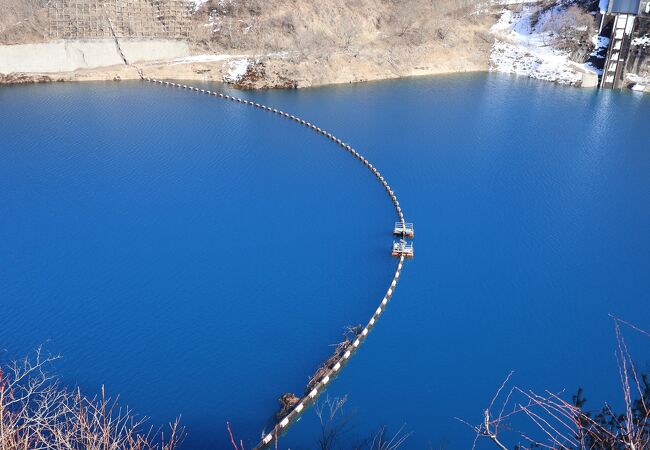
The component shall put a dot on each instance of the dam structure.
(402, 249)
(621, 23)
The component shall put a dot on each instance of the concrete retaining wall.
(589, 80)
(70, 55)
(153, 50)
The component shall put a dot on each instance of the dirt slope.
(307, 42)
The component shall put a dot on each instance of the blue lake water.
(199, 257)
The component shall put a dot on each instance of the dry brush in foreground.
(560, 424)
(37, 413)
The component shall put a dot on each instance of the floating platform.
(404, 229)
(402, 248)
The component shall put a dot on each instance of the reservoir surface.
(200, 257)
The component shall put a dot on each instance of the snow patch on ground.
(524, 49)
(205, 59)
(484, 7)
(282, 54)
(216, 14)
(600, 43)
(236, 70)
(640, 83)
(638, 79)
(600, 51)
(197, 4)
(238, 63)
(512, 58)
(643, 41)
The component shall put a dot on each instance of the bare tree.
(565, 425)
(332, 422)
(37, 413)
(382, 441)
(491, 426)
(334, 425)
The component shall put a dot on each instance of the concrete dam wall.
(71, 55)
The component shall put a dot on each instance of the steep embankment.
(310, 43)
(285, 43)
(281, 43)
(549, 41)
(23, 21)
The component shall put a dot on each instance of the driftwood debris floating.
(349, 336)
(287, 402)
